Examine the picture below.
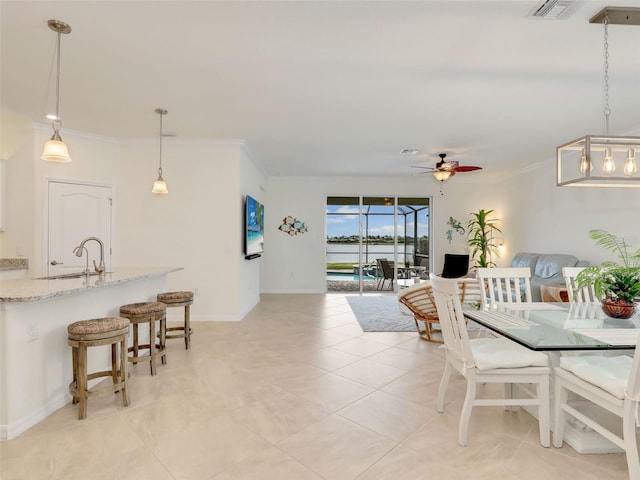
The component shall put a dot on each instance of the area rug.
(380, 314)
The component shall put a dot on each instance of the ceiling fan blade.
(430, 169)
(466, 168)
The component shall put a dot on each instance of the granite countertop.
(14, 263)
(34, 289)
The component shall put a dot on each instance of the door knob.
(54, 262)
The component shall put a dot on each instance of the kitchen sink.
(69, 275)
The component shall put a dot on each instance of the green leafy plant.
(481, 231)
(616, 280)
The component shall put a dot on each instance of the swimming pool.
(347, 277)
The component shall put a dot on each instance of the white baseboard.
(8, 432)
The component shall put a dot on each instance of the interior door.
(77, 211)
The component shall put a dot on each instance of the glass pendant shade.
(160, 187)
(441, 175)
(55, 150)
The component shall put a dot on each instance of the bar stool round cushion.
(175, 297)
(97, 328)
(143, 308)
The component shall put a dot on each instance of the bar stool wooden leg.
(187, 327)
(152, 345)
(74, 360)
(163, 339)
(123, 371)
(82, 382)
(135, 341)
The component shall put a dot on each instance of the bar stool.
(179, 299)
(91, 333)
(147, 312)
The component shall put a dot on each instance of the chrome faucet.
(78, 253)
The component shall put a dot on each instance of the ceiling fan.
(447, 168)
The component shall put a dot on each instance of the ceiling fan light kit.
(591, 160)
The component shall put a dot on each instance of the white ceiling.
(328, 87)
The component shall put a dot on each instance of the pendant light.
(590, 161)
(55, 150)
(160, 186)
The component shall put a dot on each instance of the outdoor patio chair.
(386, 268)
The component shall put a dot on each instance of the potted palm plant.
(617, 283)
(481, 231)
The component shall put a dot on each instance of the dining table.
(545, 326)
(561, 329)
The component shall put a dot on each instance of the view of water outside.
(378, 229)
(342, 253)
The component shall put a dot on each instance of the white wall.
(541, 217)
(197, 225)
(297, 264)
(534, 214)
(95, 159)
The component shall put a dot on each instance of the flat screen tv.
(254, 228)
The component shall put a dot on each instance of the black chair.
(455, 266)
(386, 268)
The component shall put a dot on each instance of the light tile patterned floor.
(294, 391)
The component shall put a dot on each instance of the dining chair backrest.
(452, 322)
(585, 294)
(601, 380)
(633, 386)
(506, 285)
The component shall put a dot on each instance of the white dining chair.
(506, 285)
(585, 294)
(612, 383)
(487, 360)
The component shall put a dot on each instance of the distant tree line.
(377, 239)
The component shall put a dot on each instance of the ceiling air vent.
(408, 151)
(552, 9)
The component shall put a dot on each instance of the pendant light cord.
(607, 110)
(160, 168)
(57, 124)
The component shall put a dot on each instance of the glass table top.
(557, 326)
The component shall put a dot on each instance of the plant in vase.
(481, 231)
(617, 283)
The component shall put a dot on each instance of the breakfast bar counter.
(35, 360)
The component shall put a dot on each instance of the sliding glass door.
(376, 244)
